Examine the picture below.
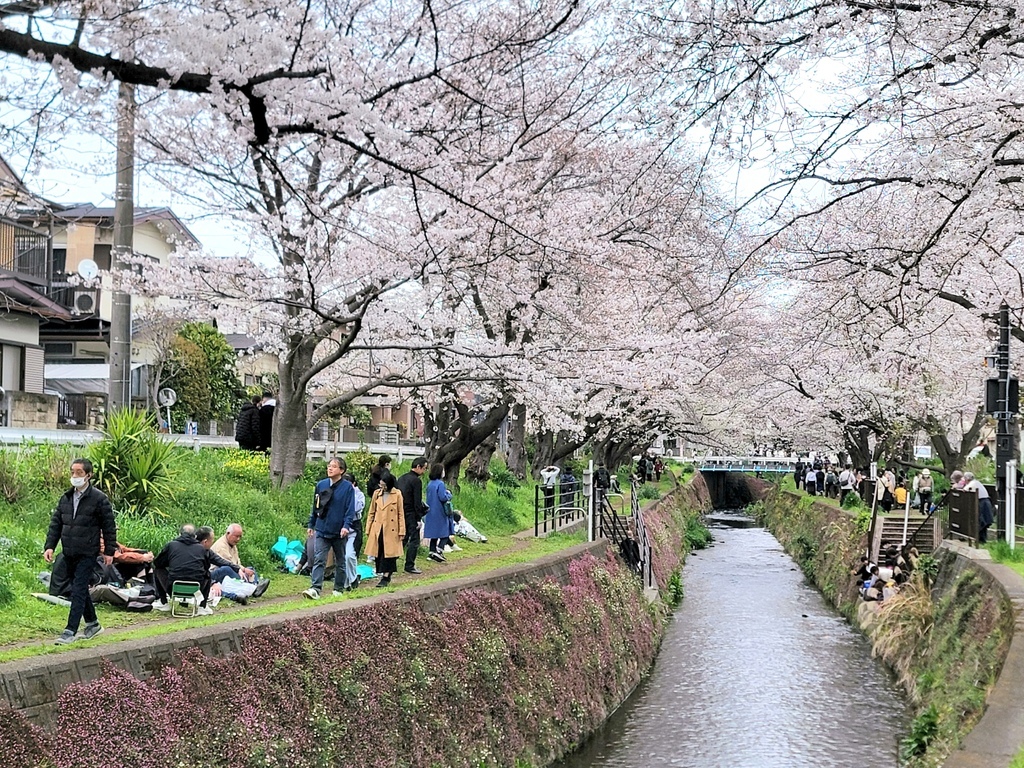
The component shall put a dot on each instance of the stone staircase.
(889, 530)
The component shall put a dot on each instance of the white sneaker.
(204, 611)
(336, 593)
(158, 606)
(311, 593)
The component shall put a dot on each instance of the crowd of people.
(387, 528)
(91, 558)
(390, 530)
(879, 582)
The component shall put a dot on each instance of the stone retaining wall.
(32, 685)
(816, 534)
(998, 736)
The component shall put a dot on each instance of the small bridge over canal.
(755, 464)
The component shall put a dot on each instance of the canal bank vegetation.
(946, 651)
(945, 643)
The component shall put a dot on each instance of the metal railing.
(557, 506)
(24, 252)
(628, 532)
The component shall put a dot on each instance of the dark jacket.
(266, 416)
(79, 533)
(247, 427)
(340, 508)
(411, 487)
(186, 559)
(373, 484)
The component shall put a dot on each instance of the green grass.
(1012, 558)
(215, 488)
(287, 588)
(1018, 760)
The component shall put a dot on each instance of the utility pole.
(1002, 401)
(122, 250)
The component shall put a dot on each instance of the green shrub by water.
(923, 730)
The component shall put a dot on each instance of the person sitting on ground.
(871, 590)
(863, 571)
(186, 559)
(133, 563)
(227, 547)
(912, 558)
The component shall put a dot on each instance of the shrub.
(852, 501)
(132, 464)
(675, 589)
(923, 729)
(361, 463)
(697, 535)
(648, 491)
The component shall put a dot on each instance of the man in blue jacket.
(332, 519)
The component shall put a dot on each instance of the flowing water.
(756, 670)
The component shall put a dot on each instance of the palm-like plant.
(132, 464)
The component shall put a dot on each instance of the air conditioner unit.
(83, 302)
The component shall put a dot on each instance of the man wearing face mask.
(82, 514)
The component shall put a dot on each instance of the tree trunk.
(856, 440)
(478, 470)
(545, 448)
(516, 459)
(454, 435)
(288, 446)
(954, 458)
(551, 449)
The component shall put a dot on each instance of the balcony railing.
(23, 253)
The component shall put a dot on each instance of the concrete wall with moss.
(946, 640)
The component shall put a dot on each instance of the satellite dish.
(87, 269)
(166, 397)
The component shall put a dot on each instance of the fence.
(627, 531)
(558, 505)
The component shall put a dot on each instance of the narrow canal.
(756, 671)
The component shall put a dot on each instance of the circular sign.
(88, 269)
(167, 397)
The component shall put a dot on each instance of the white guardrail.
(315, 449)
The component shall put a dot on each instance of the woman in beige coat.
(385, 528)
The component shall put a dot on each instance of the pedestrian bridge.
(756, 464)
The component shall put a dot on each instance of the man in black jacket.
(411, 487)
(82, 513)
(247, 426)
(186, 559)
